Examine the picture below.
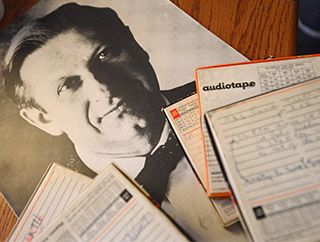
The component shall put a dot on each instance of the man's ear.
(41, 120)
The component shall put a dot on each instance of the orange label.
(175, 114)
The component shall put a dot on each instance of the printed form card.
(221, 85)
(112, 208)
(184, 119)
(58, 188)
(269, 147)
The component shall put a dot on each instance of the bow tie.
(154, 177)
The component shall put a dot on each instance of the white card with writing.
(269, 147)
(221, 85)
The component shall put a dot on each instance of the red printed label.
(174, 113)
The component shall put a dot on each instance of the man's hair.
(98, 24)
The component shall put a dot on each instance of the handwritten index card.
(58, 188)
(270, 149)
(222, 85)
(184, 118)
(112, 208)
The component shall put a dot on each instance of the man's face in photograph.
(103, 94)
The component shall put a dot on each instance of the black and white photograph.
(83, 84)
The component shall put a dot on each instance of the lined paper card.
(112, 208)
(222, 85)
(58, 188)
(184, 118)
(270, 149)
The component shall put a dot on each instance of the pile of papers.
(110, 208)
(256, 125)
(129, 148)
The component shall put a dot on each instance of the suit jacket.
(178, 93)
(154, 176)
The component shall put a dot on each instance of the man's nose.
(95, 91)
(104, 96)
(101, 102)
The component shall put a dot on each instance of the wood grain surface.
(7, 219)
(256, 28)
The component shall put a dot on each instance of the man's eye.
(109, 52)
(70, 83)
(104, 54)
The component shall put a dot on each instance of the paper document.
(58, 188)
(184, 118)
(114, 45)
(221, 85)
(270, 149)
(112, 209)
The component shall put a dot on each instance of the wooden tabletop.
(256, 28)
(7, 218)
